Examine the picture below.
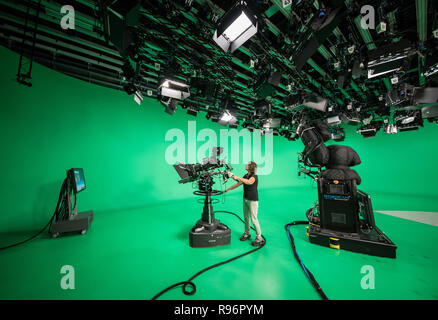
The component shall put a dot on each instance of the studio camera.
(208, 231)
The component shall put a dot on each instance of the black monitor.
(79, 179)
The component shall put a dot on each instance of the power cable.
(58, 210)
(309, 274)
(190, 282)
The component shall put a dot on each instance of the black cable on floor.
(309, 274)
(45, 227)
(190, 282)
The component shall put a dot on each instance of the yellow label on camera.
(332, 245)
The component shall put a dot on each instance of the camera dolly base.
(209, 234)
(374, 243)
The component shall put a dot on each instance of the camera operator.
(250, 202)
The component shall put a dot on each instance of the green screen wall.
(62, 122)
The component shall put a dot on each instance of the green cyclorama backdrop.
(62, 122)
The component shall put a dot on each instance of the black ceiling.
(174, 38)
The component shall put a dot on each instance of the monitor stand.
(76, 222)
(79, 222)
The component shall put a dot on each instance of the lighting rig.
(309, 57)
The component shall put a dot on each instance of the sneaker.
(245, 237)
(258, 243)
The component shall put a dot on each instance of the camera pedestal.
(208, 231)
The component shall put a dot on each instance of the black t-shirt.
(250, 190)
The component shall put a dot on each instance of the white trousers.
(250, 209)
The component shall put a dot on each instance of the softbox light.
(174, 89)
(236, 27)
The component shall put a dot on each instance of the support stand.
(208, 231)
(72, 221)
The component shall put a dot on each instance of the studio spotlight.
(407, 120)
(335, 120)
(204, 88)
(430, 113)
(390, 129)
(192, 110)
(381, 27)
(293, 101)
(388, 58)
(265, 132)
(170, 91)
(213, 116)
(370, 130)
(138, 97)
(431, 68)
(235, 27)
(337, 134)
(267, 83)
(262, 109)
(170, 105)
(272, 123)
(349, 119)
(176, 89)
(227, 117)
(297, 101)
(129, 88)
(316, 102)
(322, 25)
(400, 94)
(289, 135)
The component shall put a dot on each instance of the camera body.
(205, 184)
(204, 172)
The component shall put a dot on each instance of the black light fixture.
(267, 83)
(192, 110)
(431, 67)
(213, 116)
(337, 134)
(316, 103)
(310, 100)
(407, 120)
(271, 123)
(289, 135)
(235, 27)
(390, 129)
(129, 88)
(430, 113)
(388, 58)
(262, 109)
(370, 130)
(170, 92)
(227, 117)
(170, 105)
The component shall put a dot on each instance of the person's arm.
(234, 186)
(245, 181)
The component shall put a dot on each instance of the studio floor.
(137, 252)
